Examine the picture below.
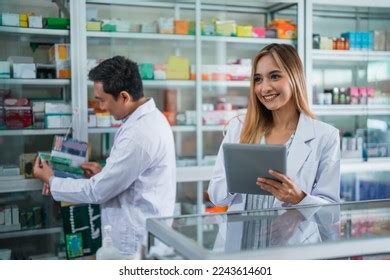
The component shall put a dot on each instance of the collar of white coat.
(299, 149)
(144, 109)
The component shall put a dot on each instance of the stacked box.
(59, 55)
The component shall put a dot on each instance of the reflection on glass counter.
(352, 230)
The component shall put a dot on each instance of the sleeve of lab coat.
(217, 190)
(126, 162)
(327, 186)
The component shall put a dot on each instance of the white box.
(7, 216)
(2, 217)
(24, 71)
(20, 59)
(15, 215)
(5, 69)
(57, 108)
(35, 22)
(38, 106)
(10, 19)
(58, 121)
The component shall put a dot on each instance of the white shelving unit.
(163, 84)
(23, 132)
(177, 128)
(24, 185)
(33, 31)
(351, 55)
(348, 110)
(143, 36)
(30, 232)
(36, 82)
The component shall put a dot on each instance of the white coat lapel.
(300, 150)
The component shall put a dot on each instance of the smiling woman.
(278, 113)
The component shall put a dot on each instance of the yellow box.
(23, 24)
(244, 30)
(94, 26)
(178, 68)
(226, 27)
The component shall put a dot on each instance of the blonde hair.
(258, 119)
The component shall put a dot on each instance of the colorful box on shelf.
(244, 30)
(208, 29)
(92, 121)
(94, 26)
(258, 32)
(56, 23)
(103, 119)
(108, 25)
(146, 71)
(226, 27)
(57, 108)
(286, 28)
(59, 53)
(18, 113)
(178, 68)
(9, 19)
(166, 25)
(23, 20)
(182, 26)
(160, 71)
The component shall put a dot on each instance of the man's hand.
(91, 169)
(42, 170)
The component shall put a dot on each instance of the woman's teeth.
(270, 97)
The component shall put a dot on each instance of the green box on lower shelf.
(57, 23)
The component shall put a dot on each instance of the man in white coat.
(139, 178)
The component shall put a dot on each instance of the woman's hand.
(284, 189)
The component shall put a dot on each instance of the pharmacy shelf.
(371, 165)
(31, 232)
(193, 173)
(351, 55)
(33, 31)
(244, 40)
(145, 36)
(231, 84)
(36, 82)
(213, 128)
(176, 128)
(351, 110)
(164, 83)
(20, 132)
(24, 185)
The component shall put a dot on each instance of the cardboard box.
(94, 26)
(182, 26)
(178, 68)
(244, 30)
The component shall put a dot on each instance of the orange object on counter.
(286, 28)
(171, 117)
(216, 209)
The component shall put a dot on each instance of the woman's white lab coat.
(313, 163)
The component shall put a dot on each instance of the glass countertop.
(315, 232)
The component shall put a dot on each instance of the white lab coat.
(138, 181)
(313, 163)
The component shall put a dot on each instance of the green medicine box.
(56, 23)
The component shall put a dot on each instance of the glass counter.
(313, 232)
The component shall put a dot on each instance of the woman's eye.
(275, 77)
(257, 79)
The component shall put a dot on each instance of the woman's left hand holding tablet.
(284, 189)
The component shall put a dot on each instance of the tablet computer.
(244, 163)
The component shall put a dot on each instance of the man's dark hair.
(118, 74)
